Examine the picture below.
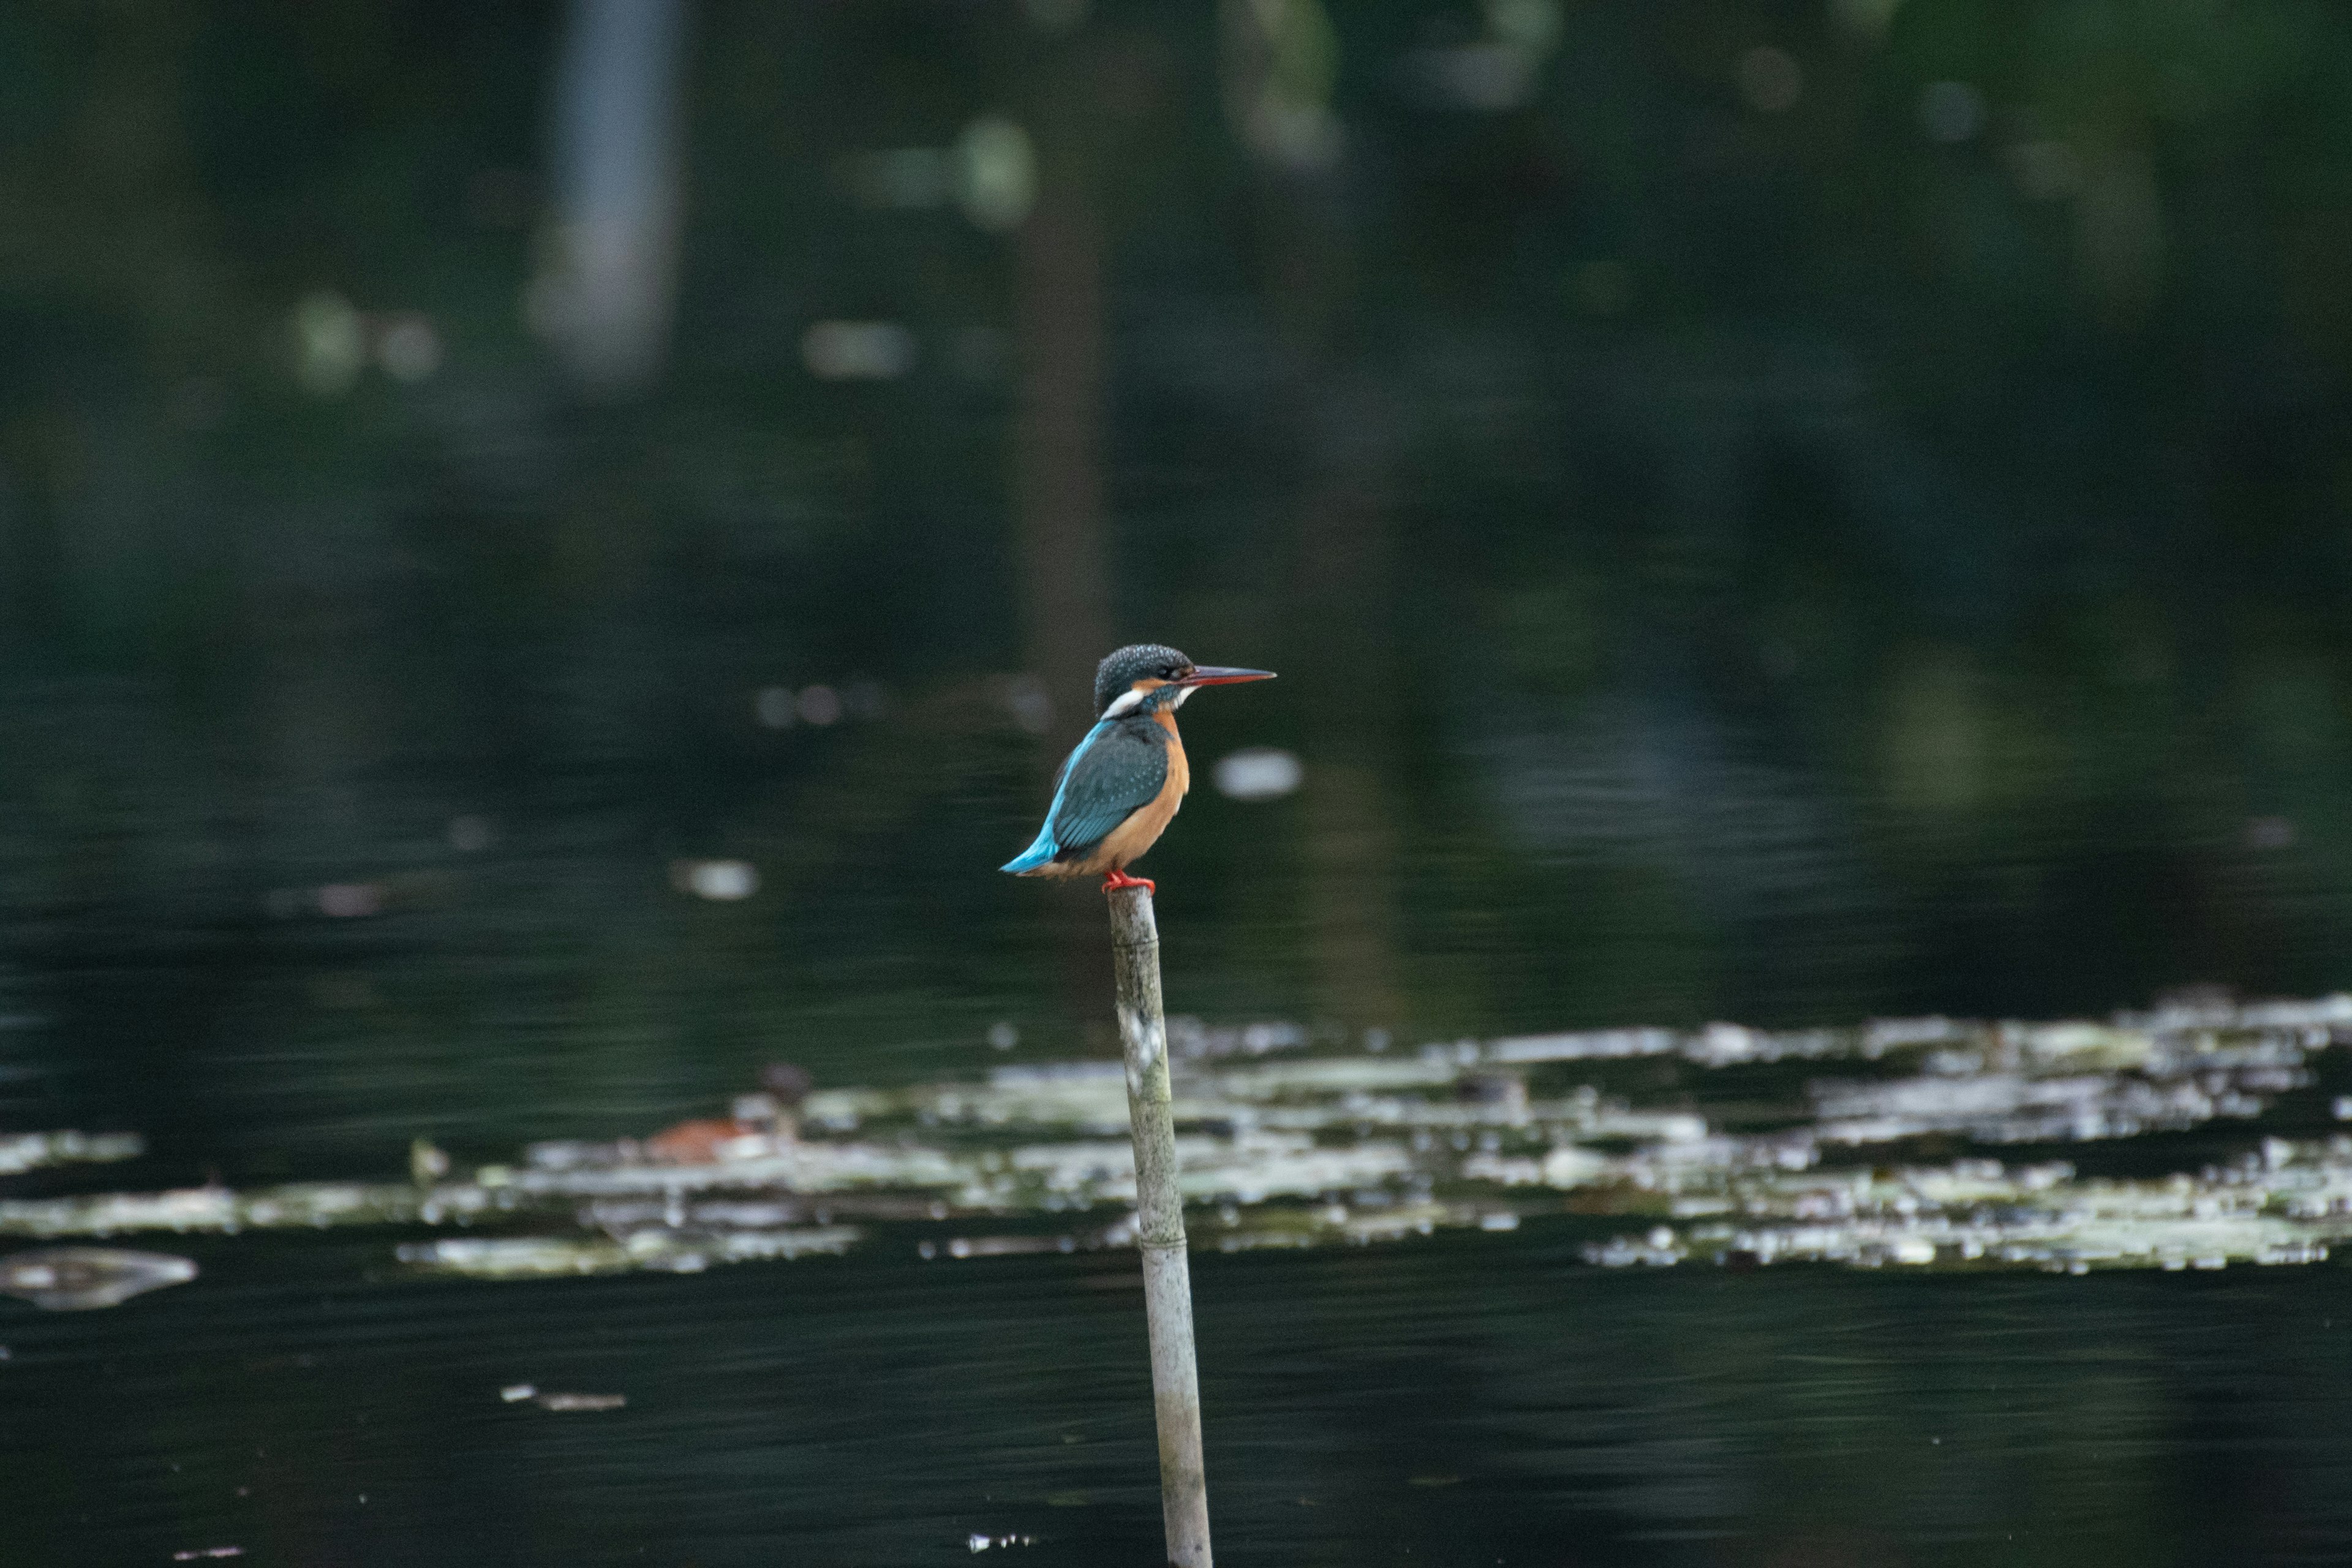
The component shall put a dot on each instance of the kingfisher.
(1118, 790)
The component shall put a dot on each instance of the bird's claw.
(1115, 881)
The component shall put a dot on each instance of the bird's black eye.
(1174, 672)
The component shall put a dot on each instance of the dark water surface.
(1460, 1402)
(1778, 513)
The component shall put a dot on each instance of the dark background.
(1771, 511)
(1774, 511)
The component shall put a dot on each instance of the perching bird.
(1119, 789)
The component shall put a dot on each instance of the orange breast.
(1126, 843)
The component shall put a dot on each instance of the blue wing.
(1119, 768)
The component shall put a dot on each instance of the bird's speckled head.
(1117, 676)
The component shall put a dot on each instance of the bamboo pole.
(1160, 1229)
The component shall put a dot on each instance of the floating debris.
(1191, 1037)
(579, 1170)
(997, 1245)
(198, 1554)
(315, 1204)
(22, 1151)
(2288, 1203)
(539, 1258)
(1890, 1144)
(565, 1402)
(428, 1163)
(78, 1278)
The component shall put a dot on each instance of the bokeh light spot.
(1770, 79)
(857, 350)
(1951, 112)
(330, 343)
(1258, 772)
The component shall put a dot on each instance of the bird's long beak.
(1219, 674)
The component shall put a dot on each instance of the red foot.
(1115, 881)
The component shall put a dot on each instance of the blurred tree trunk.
(1346, 658)
(1058, 459)
(1058, 437)
(1280, 64)
(605, 300)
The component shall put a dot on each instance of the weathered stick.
(1160, 1229)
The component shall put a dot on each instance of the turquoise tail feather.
(1036, 855)
(1043, 851)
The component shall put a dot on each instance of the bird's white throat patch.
(1134, 700)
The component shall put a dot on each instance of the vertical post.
(1159, 1228)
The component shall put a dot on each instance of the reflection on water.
(82, 1278)
(1829, 513)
